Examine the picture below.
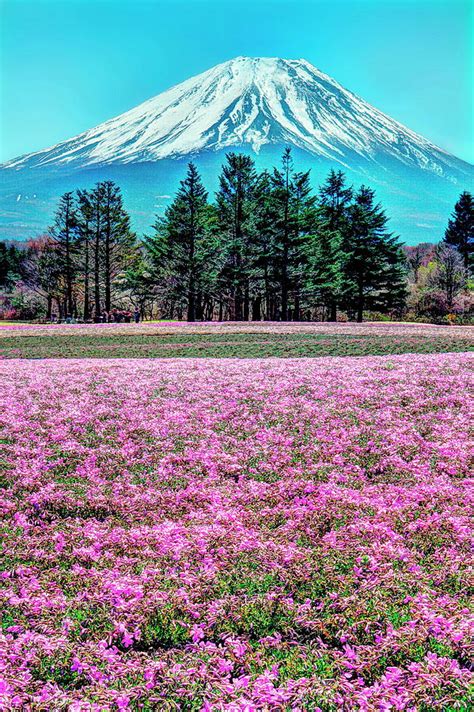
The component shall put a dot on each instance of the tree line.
(267, 247)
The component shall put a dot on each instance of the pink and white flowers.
(236, 534)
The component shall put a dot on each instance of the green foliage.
(267, 248)
(460, 230)
(163, 629)
(230, 345)
(182, 249)
(374, 270)
(57, 668)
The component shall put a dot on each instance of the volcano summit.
(254, 105)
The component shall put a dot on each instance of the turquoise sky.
(68, 65)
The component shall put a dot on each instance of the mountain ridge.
(256, 105)
(246, 101)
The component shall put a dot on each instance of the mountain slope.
(251, 101)
(252, 104)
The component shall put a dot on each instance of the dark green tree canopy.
(268, 247)
(460, 230)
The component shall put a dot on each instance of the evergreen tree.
(11, 263)
(374, 269)
(106, 240)
(460, 230)
(96, 199)
(85, 218)
(119, 242)
(284, 227)
(327, 256)
(293, 207)
(180, 242)
(65, 234)
(4, 264)
(235, 204)
(325, 277)
(160, 268)
(262, 251)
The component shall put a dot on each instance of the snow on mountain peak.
(249, 101)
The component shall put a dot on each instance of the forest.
(268, 246)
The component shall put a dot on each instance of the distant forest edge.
(268, 247)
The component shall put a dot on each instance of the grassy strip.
(236, 345)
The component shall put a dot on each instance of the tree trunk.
(256, 309)
(86, 280)
(246, 314)
(107, 271)
(286, 237)
(360, 304)
(296, 311)
(284, 288)
(69, 305)
(191, 311)
(238, 304)
(97, 263)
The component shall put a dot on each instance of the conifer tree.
(96, 200)
(106, 240)
(118, 242)
(85, 215)
(11, 263)
(460, 230)
(327, 256)
(235, 203)
(65, 234)
(374, 269)
(180, 241)
(293, 207)
(262, 251)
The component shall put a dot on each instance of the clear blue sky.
(68, 65)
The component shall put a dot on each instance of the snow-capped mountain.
(253, 101)
(256, 105)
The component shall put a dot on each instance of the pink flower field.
(236, 534)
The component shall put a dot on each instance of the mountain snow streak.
(253, 102)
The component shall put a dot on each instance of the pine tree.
(325, 276)
(460, 230)
(374, 270)
(85, 217)
(65, 234)
(283, 222)
(119, 242)
(262, 251)
(293, 207)
(235, 204)
(180, 242)
(96, 202)
(327, 256)
(107, 243)
(4, 264)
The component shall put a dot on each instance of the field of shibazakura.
(247, 534)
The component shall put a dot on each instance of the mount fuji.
(252, 105)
